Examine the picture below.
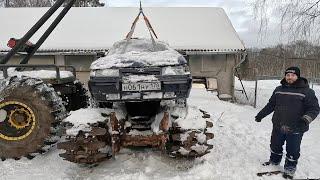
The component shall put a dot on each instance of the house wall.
(49, 59)
(218, 66)
(80, 62)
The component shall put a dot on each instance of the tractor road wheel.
(30, 113)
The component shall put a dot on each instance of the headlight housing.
(175, 70)
(105, 73)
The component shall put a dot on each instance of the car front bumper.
(109, 89)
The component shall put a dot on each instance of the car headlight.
(175, 70)
(105, 73)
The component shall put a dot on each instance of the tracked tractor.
(139, 89)
(143, 86)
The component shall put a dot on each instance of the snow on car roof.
(184, 28)
(139, 53)
(138, 45)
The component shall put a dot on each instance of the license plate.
(141, 86)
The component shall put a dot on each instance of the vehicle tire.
(31, 113)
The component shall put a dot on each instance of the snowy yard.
(240, 146)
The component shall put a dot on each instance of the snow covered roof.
(184, 28)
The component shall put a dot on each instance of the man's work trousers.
(293, 142)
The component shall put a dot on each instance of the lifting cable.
(148, 24)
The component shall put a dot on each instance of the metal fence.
(273, 65)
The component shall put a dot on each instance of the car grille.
(140, 71)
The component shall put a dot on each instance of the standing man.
(295, 106)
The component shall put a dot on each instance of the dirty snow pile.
(189, 118)
(40, 74)
(240, 146)
(139, 53)
(82, 118)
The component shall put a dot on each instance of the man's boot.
(288, 173)
(268, 163)
(290, 167)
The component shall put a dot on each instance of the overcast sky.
(239, 11)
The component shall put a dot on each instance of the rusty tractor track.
(87, 147)
(189, 143)
(107, 138)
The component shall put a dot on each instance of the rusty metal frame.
(4, 68)
(119, 138)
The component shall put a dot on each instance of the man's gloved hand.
(306, 119)
(258, 119)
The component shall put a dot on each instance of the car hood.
(139, 53)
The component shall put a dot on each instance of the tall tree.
(301, 18)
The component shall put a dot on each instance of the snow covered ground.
(240, 146)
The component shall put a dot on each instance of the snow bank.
(138, 53)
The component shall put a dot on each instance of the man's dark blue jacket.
(295, 106)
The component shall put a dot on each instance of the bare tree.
(47, 3)
(87, 3)
(28, 3)
(301, 18)
(2, 3)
